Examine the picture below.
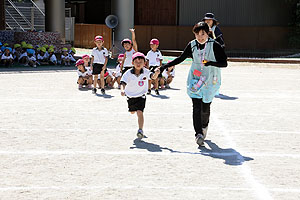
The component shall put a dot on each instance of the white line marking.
(260, 190)
(139, 187)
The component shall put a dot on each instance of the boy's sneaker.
(94, 90)
(149, 91)
(156, 92)
(199, 139)
(140, 134)
(204, 131)
(102, 91)
(79, 86)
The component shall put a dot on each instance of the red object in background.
(197, 73)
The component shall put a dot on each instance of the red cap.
(138, 54)
(154, 41)
(121, 56)
(79, 62)
(85, 56)
(126, 40)
(98, 38)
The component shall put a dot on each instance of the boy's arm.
(155, 75)
(135, 47)
(122, 63)
(147, 64)
(105, 63)
(123, 84)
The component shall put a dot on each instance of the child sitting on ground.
(84, 76)
(31, 58)
(7, 58)
(65, 59)
(117, 74)
(167, 77)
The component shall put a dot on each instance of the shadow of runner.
(230, 156)
(225, 97)
(140, 144)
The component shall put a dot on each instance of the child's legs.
(140, 119)
(170, 79)
(149, 84)
(162, 81)
(156, 83)
(95, 80)
(90, 80)
(102, 79)
(80, 81)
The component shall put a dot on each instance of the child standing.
(154, 60)
(134, 84)
(84, 76)
(99, 61)
(131, 48)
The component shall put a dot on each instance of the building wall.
(155, 12)
(236, 12)
(2, 15)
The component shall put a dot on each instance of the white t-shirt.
(63, 57)
(136, 86)
(118, 71)
(99, 55)
(71, 58)
(23, 55)
(32, 58)
(128, 59)
(40, 57)
(154, 57)
(53, 58)
(84, 74)
(4, 57)
(165, 74)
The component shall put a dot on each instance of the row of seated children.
(113, 76)
(27, 55)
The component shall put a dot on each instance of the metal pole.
(55, 17)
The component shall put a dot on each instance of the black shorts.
(136, 103)
(97, 68)
(152, 68)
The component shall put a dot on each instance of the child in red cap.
(134, 84)
(84, 76)
(130, 47)
(154, 60)
(117, 74)
(98, 63)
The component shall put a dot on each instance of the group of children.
(92, 71)
(28, 55)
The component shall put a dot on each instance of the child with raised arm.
(99, 61)
(134, 84)
(130, 47)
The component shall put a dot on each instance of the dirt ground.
(57, 142)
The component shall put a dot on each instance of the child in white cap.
(134, 84)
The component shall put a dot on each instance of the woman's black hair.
(201, 26)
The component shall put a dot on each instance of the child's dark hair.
(201, 26)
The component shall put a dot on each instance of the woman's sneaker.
(156, 92)
(140, 134)
(103, 91)
(149, 92)
(94, 90)
(199, 139)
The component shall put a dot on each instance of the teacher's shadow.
(230, 156)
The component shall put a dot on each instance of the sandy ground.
(57, 142)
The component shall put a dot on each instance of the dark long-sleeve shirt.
(221, 58)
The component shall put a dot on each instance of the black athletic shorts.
(97, 68)
(152, 68)
(136, 103)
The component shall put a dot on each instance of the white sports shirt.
(99, 55)
(154, 57)
(136, 86)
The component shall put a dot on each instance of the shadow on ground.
(225, 97)
(230, 156)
